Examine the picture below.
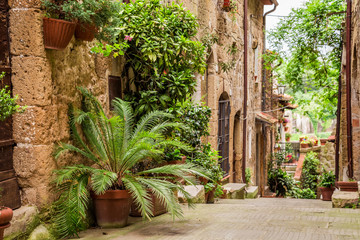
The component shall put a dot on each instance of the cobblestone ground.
(263, 218)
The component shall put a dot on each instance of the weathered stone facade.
(46, 80)
(355, 99)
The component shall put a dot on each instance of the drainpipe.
(245, 86)
(337, 141)
(348, 90)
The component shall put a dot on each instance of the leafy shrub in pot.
(327, 185)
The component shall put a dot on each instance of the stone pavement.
(249, 219)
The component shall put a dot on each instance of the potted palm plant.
(115, 145)
(327, 185)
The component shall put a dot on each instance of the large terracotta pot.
(347, 186)
(85, 31)
(6, 215)
(57, 33)
(112, 208)
(326, 193)
(157, 207)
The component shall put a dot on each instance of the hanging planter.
(85, 31)
(57, 33)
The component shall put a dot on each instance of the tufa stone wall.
(45, 81)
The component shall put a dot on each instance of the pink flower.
(128, 38)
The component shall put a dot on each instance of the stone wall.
(327, 156)
(45, 81)
(355, 98)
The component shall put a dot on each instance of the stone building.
(354, 46)
(46, 80)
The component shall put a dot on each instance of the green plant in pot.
(115, 145)
(327, 185)
(287, 137)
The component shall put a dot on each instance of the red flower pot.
(57, 33)
(112, 208)
(326, 193)
(157, 207)
(85, 31)
(6, 215)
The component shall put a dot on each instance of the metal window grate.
(223, 134)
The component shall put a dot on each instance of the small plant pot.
(85, 31)
(304, 145)
(286, 129)
(227, 5)
(287, 139)
(326, 193)
(347, 186)
(323, 141)
(57, 33)
(210, 196)
(112, 208)
(157, 207)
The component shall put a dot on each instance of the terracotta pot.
(347, 186)
(323, 141)
(85, 31)
(286, 129)
(2, 229)
(326, 193)
(112, 208)
(57, 33)
(210, 196)
(287, 139)
(157, 207)
(284, 124)
(304, 145)
(226, 5)
(6, 215)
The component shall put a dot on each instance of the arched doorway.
(224, 132)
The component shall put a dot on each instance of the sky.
(283, 9)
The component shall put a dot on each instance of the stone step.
(234, 190)
(252, 192)
(341, 199)
(196, 192)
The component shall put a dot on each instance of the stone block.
(197, 194)
(235, 190)
(341, 199)
(41, 125)
(26, 33)
(24, 3)
(31, 79)
(21, 218)
(41, 232)
(252, 192)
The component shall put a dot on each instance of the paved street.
(263, 218)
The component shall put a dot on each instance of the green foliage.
(115, 145)
(196, 117)
(278, 180)
(327, 179)
(99, 12)
(248, 175)
(310, 42)
(306, 193)
(207, 158)
(287, 135)
(310, 171)
(8, 104)
(160, 51)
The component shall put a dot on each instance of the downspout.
(245, 86)
(348, 90)
(337, 141)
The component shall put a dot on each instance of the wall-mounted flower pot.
(227, 5)
(347, 186)
(85, 31)
(326, 193)
(57, 33)
(112, 208)
(157, 207)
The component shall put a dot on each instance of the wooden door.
(9, 189)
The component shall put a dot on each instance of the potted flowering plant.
(285, 121)
(289, 158)
(305, 144)
(327, 185)
(287, 137)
